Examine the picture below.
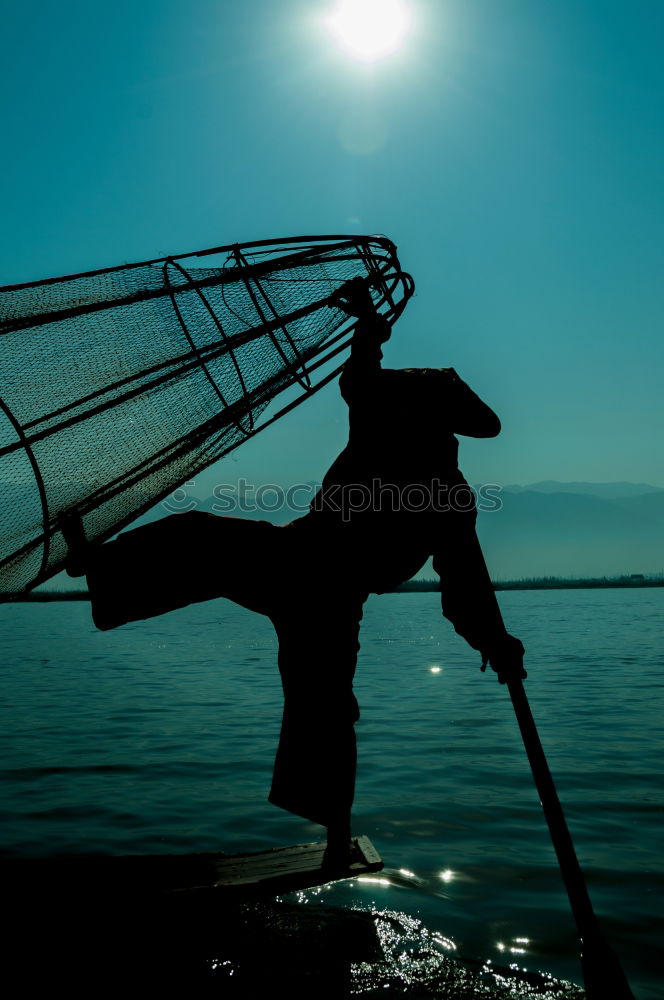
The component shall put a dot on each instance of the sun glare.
(369, 29)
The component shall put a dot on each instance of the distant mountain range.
(608, 491)
(575, 529)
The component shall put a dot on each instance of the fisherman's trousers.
(311, 578)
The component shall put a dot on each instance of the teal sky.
(513, 149)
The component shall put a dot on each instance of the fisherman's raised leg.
(179, 560)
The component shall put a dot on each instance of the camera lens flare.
(369, 29)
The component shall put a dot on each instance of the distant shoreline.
(416, 587)
(549, 583)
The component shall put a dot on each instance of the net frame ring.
(377, 277)
(29, 454)
(297, 364)
(171, 262)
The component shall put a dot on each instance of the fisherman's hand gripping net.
(119, 385)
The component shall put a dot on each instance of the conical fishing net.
(118, 385)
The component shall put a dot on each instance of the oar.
(466, 584)
(602, 973)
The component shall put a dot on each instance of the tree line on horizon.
(420, 586)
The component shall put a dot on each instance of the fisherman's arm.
(469, 601)
(371, 331)
(365, 353)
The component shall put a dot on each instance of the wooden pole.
(602, 973)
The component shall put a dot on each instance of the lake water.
(159, 738)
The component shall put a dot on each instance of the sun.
(369, 29)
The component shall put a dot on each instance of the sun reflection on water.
(516, 948)
(373, 879)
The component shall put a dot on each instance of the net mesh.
(119, 385)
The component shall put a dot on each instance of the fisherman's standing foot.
(339, 845)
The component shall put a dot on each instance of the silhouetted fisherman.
(393, 498)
